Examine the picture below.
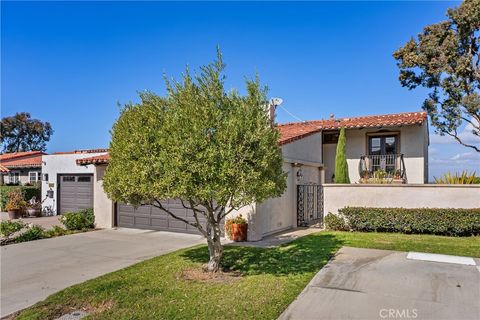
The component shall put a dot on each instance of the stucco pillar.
(102, 205)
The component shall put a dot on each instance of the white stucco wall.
(413, 144)
(277, 214)
(55, 164)
(400, 196)
(103, 207)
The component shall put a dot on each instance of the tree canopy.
(445, 59)
(341, 165)
(22, 133)
(214, 150)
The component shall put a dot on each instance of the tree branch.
(455, 136)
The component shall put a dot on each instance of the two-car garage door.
(152, 218)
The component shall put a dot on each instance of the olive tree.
(215, 151)
(445, 59)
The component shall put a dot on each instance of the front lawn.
(272, 278)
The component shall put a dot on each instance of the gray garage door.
(76, 192)
(152, 218)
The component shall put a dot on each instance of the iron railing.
(388, 166)
(309, 204)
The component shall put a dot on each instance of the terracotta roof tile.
(296, 130)
(22, 159)
(81, 151)
(100, 159)
(293, 131)
(3, 169)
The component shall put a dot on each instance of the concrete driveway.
(380, 284)
(33, 270)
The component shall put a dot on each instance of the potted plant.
(34, 207)
(237, 228)
(15, 204)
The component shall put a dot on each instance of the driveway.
(381, 284)
(33, 270)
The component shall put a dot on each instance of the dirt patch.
(61, 310)
(197, 274)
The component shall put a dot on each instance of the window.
(330, 137)
(84, 179)
(68, 179)
(13, 177)
(33, 176)
(382, 145)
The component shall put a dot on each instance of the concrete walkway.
(276, 239)
(381, 284)
(44, 222)
(33, 270)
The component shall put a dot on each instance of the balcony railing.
(388, 166)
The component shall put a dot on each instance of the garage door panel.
(143, 210)
(152, 218)
(162, 223)
(75, 192)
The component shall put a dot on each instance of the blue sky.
(70, 63)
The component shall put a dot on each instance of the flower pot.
(33, 212)
(239, 232)
(14, 214)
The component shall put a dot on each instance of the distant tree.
(445, 58)
(341, 165)
(214, 151)
(21, 133)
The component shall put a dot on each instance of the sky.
(73, 63)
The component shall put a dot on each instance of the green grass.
(271, 280)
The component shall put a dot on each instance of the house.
(394, 144)
(67, 187)
(21, 167)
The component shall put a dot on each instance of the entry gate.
(309, 204)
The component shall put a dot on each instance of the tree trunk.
(215, 251)
(215, 248)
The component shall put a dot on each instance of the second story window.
(382, 145)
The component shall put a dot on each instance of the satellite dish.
(276, 101)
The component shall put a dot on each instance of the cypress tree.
(341, 166)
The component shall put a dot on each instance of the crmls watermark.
(398, 313)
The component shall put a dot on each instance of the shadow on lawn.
(304, 255)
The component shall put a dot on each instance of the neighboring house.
(396, 144)
(21, 167)
(67, 187)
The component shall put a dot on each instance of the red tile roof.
(297, 130)
(22, 159)
(293, 131)
(100, 159)
(82, 151)
(3, 169)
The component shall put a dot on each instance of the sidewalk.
(277, 239)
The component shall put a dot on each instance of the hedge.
(28, 193)
(451, 222)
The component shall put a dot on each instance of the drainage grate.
(75, 315)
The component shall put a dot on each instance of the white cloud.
(466, 135)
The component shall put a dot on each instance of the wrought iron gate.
(309, 204)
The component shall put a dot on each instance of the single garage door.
(76, 192)
(152, 218)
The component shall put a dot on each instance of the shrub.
(451, 222)
(56, 231)
(33, 232)
(463, 177)
(341, 165)
(84, 219)
(335, 222)
(27, 193)
(15, 201)
(8, 228)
